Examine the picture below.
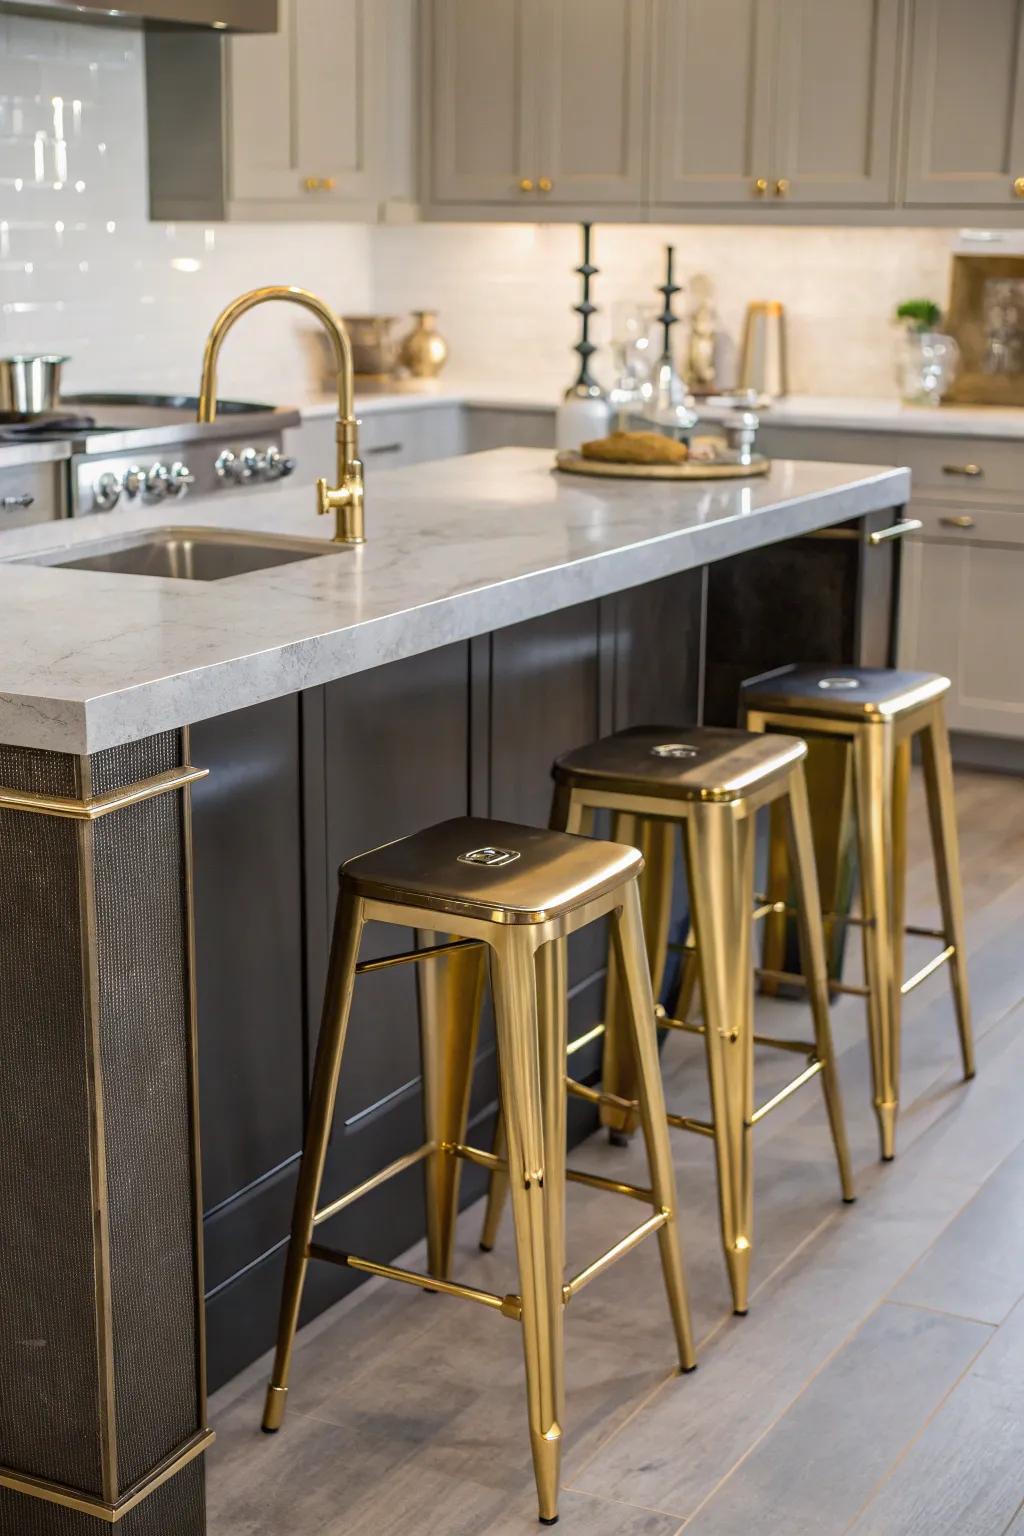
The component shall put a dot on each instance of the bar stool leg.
(689, 974)
(720, 864)
(938, 777)
(900, 797)
(656, 841)
(812, 951)
(497, 1185)
(873, 775)
(532, 1081)
(450, 997)
(628, 936)
(348, 928)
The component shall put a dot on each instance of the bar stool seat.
(711, 783)
(514, 894)
(867, 719)
(882, 693)
(688, 764)
(495, 871)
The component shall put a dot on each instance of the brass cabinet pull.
(318, 184)
(1018, 187)
(960, 520)
(526, 185)
(782, 187)
(760, 187)
(545, 184)
(897, 531)
(972, 471)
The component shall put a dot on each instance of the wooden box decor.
(986, 316)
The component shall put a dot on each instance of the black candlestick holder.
(586, 386)
(668, 290)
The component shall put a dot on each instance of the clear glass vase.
(926, 364)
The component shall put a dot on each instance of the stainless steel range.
(98, 452)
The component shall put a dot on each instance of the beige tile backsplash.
(83, 270)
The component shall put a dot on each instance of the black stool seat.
(680, 762)
(861, 692)
(494, 870)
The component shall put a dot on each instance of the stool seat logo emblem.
(838, 683)
(490, 858)
(674, 749)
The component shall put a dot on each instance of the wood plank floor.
(876, 1388)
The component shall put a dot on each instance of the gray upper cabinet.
(835, 110)
(965, 128)
(291, 125)
(712, 100)
(536, 104)
(762, 102)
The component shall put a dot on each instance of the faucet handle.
(346, 502)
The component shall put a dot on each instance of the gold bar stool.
(515, 893)
(712, 782)
(877, 712)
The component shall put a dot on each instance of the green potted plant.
(926, 358)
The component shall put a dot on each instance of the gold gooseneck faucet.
(345, 499)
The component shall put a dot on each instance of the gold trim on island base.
(91, 807)
(109, 1513)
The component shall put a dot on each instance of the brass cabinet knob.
(318, 184)
(760, 187)
(545, 184)
(1018, 187)
(526, 185)
(782, 187)
(972, 471)
(961, 520)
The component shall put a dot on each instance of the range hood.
(222, 15)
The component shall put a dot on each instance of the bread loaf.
(636, 448)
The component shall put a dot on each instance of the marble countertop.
(454, 549)
(854, 413)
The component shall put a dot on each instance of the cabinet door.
(592, 118)
(966, 125)
(959, 614)
(306, 107)
(836, 103)
(712, 99)
(484, 73)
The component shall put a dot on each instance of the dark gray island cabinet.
(153, 1087)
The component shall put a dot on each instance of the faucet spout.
(346, 498)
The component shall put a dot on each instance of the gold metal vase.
(424, 350)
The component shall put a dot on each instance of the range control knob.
(252, 464)
(181, 477)
(277, 464)
(106, 493)
(157, 482)
(133, 481)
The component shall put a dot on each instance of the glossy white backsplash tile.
(84, 271)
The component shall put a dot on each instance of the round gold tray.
(692, 469)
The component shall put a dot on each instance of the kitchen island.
(499, 613)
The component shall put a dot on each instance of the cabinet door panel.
(307, 102)
(836, 102)
(592, 120)
(713, 72)
(966, 124)
(484, 85)
(959, 615)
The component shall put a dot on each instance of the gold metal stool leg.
(628, 936)
(689, 975)
(450, 998)
(657, 842)
(812, 951)
(497, 1185)
(873, 776)
(720, 866)
(900, 798)
(532, 1067)
(341, 977)
(938, 776)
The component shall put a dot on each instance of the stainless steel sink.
(189, 554)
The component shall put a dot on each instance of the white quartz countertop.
(824, 411)
(454, 549)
